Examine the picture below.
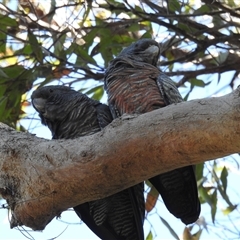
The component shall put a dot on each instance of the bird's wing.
(179, 192)
(104, 115)
(115, 217)
(178, 187)
(168, 89)
(104, 231)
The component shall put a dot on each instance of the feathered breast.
(132, 88)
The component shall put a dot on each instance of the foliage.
(72, 42)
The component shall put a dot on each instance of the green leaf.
(3, 113)
(3, 74)
(147, 35)
(196, 82)
(217, 21)
(88, 38)
(174, 5)
(203, 9)
(14, 71)
(7, 21)
(214, 205)
(223, 178)
(203, 192)
(2, 89)
(197, 235)
(37, 50)
(174, 234)
(134, 27)
(18, 82)
(83, 57)
(183, 26)
(26, 50)
(199, 171)
(221, 187)
(59, 45)
(232, 3)
(149, 236)
(224, 194)
(137, 8)
(97, 92)
(3, 38)
(148, 183)
(229, 209)
(187, 28)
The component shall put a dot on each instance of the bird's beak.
(152, 50)
(39, 104)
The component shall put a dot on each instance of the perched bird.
(71, 114)
(135, 85)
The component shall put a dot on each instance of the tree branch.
(41, 178)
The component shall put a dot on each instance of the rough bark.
(41, 178)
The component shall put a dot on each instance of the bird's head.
(144, 50)
(45, 100)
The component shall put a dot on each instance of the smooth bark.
(41, 178)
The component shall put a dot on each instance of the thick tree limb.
(41, 178)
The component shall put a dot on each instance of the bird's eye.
(50, 90)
